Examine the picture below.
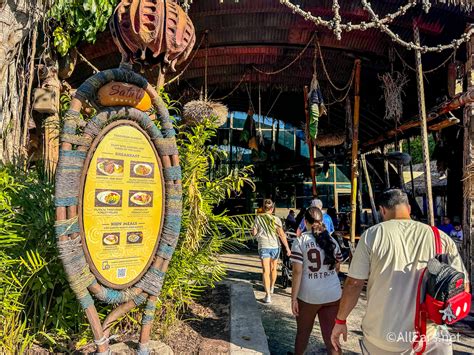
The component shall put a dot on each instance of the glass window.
(343, 173)
(325, 176)
(239, 119)
(304, 149)
(326, 195)
(286, 139)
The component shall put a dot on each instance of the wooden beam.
(457, 102)
(355, 150)
(424, 125)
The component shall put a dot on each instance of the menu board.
(122, 206)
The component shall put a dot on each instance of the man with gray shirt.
(391, 256)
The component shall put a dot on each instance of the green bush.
(204, 234)
(36, 303)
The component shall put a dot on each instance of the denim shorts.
(269, 253)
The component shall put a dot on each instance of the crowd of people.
(388, 261)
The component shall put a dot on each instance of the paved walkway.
(280, 324)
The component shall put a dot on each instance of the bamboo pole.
(468, 158)
(355, 149)
(386, 171)
(424, 129)
(311, 147)
(411, 169)
(375, 215)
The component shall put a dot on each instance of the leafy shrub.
(204, 233)
(36, 303)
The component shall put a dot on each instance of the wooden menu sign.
(122, 204)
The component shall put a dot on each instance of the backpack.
(441, 295)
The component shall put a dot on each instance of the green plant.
(204, 234)
(78, 20)
(416, 148)
(36, 304)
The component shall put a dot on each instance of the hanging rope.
(233, 90)
(274, 102)
(260, 133)
(205, 66)
(298, 57)
(425, 71)
(349, 83)
(381, 24)
(250, 97)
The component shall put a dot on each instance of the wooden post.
(411, 169)
(375, 215)
(424, 129)
(468, 157)
(355, 150)
(386, 171)
(310, 144)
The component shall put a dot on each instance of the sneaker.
(267, 299)
(272, 289)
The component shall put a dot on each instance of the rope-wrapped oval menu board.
(118, 203)
(122, 204)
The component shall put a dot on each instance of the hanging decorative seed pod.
(197, 110)
(152, 32)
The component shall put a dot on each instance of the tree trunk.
(16, 18)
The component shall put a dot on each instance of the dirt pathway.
(280, 324)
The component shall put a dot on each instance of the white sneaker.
(272, 289)
(267, 299)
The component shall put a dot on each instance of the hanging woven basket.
(330, 140)
(197, 110)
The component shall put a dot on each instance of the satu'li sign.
(118, 199)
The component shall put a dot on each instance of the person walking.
(267, 229)
(391, 256)
(326, 219)
(316, 290)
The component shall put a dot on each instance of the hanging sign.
(122, 204)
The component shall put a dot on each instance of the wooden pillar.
(355, 150)
(52, 126)
(310, 145)
(375, 215)
(468, 157)
(424, 129)
(411, 170)
(386, 171)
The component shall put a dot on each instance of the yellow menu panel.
(122, 206)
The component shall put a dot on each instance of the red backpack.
(441, 295)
